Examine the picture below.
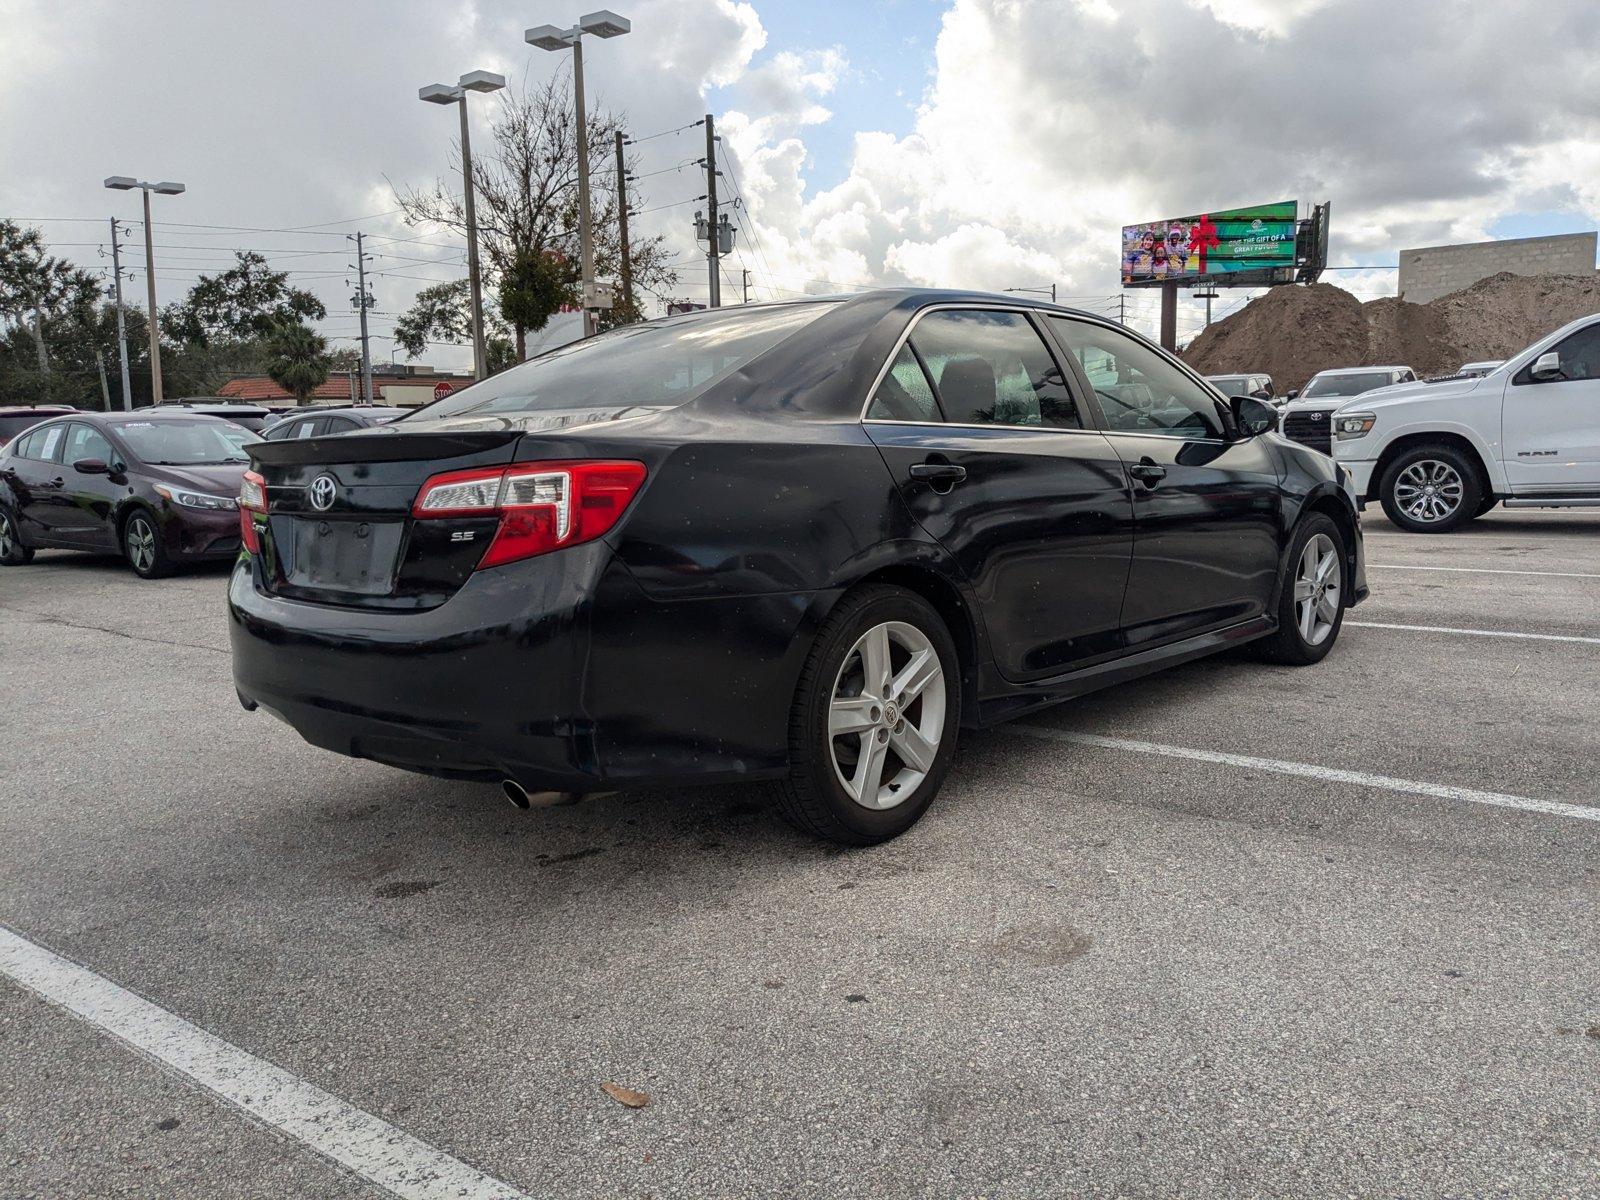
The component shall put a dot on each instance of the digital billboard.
(1211, 246)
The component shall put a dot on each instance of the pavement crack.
(46, 619)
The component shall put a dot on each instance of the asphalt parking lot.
(1325, 931)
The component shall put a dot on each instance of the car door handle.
(1148, 472)
(938, 472)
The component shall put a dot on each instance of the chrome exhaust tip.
(524, 799)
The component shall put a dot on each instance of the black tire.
(1457, 476)
(1289, 645)
(143, 547)
(813, 798)
(12, 552)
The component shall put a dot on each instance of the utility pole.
(713, 249)
(122, 329)
(1122, 309)
(150, 285)
(747, 285)
(480, 356)
(1169, 317)
(585, 229)
(622, 229)
(363, 301)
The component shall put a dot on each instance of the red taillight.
(542, 506)
(252, 500)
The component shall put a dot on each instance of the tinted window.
(1580, 356)
(992, 368)
(1231, 385)
(42, 445)
(186, 441)
(253, 424)
(1140, 389)
(905, 394)
(11, 426)
(655, 363)
(282, 431)
(85, 441)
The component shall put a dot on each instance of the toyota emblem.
(323, 490)
(1314, 417)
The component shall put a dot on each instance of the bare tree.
(527, 186)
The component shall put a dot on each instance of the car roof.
(317, 410)
(219, 406)
(1359, 370)
(24, 410)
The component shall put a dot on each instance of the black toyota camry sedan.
(804, 543)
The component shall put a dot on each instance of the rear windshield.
(186, 442)
(1347, 383)
(11, 426)
(657, 363)
(253, 424)
(1228, 384)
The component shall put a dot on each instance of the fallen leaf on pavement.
(626, 1096)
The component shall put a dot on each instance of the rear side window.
(42, 445)
(992, 368)
(659, 364)
(905, 393)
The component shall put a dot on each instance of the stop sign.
(441, 390)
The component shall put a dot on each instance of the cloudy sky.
(976, 143)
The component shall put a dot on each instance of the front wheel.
(1313, 595)
(1431, 489)
(12, 552)
(874, 721)
(142, 546)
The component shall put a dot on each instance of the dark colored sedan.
(160, 487)
(324, 422)
(803, 542)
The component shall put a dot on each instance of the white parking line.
(1481, 571)
(1495, 633)
(373, 1149)
(1410, 787)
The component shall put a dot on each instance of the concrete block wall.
(1432, 271)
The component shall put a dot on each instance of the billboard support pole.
(1169, 317)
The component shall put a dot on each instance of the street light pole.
(124, 183)
(604, 24)
(439, 93)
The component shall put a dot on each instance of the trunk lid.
(339, 530)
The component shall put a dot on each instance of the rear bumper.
(557, 672)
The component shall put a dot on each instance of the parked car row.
(158, 485)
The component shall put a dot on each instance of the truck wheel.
(1431, 489)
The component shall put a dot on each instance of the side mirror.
(1253, 417)
(1290, 394)
(91, 466)
(1547, 367)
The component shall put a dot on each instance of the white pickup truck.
(1438, 454)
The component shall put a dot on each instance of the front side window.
(1140, 389)
(1580, 357)
(992, 368)
(905, 393)
(86, 442)
(660, 363)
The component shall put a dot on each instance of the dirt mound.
(1294, 332)
(1291, 333)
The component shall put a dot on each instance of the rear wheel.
(1431, 489)
(874, 721)
(12, 552)
(143, 547)
(1313, 595)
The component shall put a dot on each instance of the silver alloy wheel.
(886, 715)
(1429, 490)
(141, 544)
(1316, 590)
(7, 538)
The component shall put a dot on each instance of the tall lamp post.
(443, 93)
(601, 24)
(124, 183)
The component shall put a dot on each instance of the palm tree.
(297, 358)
